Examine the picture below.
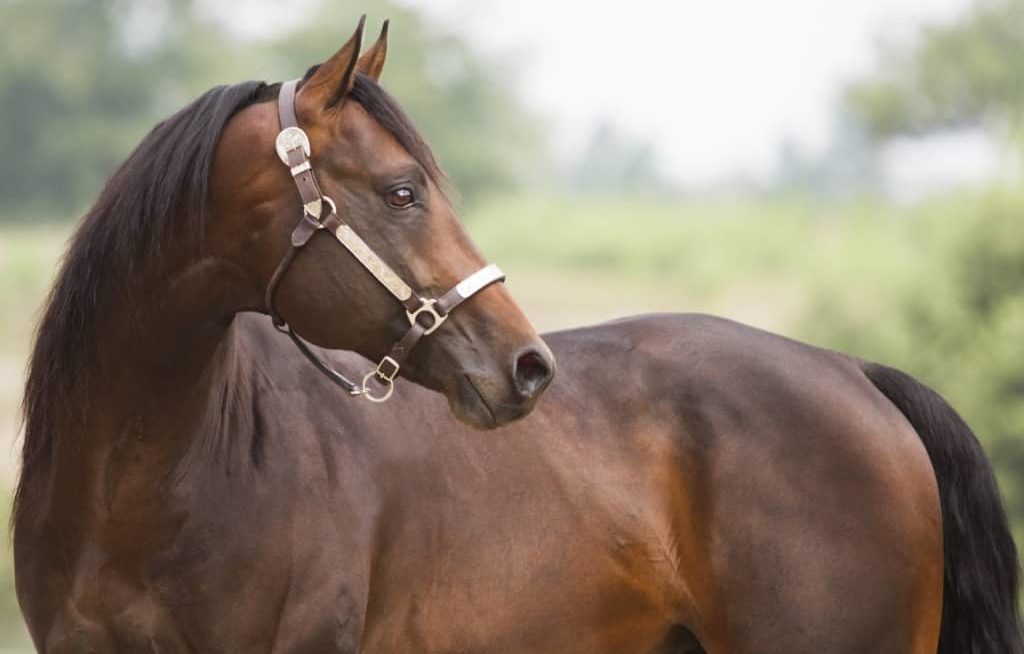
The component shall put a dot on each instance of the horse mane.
(157, 197)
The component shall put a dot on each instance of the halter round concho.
(320, 213)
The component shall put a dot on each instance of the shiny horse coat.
(719, 497)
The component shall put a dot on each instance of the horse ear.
(372, 62)
(334, 78)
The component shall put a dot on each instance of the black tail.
(980, 613)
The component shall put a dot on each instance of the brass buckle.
(427, 307)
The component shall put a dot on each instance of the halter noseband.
(425, 315)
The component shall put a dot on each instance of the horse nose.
(533, 371)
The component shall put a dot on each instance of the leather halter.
(320, 213)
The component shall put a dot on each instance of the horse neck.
(181, 342)
(167, 365)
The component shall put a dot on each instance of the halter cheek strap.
(320, 213)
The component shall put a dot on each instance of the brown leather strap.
(350, 386)
(294, 148)
(282, 268)
(304, 230)
(286, 104)
(400, 351)
(309, 188)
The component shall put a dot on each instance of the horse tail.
(980, 612)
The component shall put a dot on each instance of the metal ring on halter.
(379, 399)
(386, 371)
(316, 219)
(428, 308)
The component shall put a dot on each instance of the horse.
(196, 478)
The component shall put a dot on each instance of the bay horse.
(191, 482)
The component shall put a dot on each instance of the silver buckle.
(291, 138)
(382, 373)
(427, 306)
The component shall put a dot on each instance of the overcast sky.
(717, 85)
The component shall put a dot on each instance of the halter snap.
(426, 315)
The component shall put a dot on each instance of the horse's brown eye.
(400, 198)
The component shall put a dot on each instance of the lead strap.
(425, 315)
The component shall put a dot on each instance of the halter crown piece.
(320, 213)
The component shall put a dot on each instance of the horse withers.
(195, 481)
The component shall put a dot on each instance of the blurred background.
(847, 173)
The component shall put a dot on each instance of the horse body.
(686, 480)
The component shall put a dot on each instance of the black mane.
(156, 197)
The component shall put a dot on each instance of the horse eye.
(401, 198)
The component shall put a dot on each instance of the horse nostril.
(532, 373)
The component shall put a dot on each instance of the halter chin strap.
(320, 213)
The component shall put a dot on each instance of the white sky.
(723, 82)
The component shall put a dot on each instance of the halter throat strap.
(319, 213)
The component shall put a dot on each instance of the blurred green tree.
(70, 100)
(952, 309)
(965, 73)
(81, 81)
